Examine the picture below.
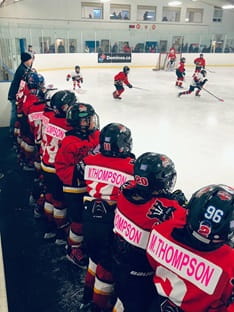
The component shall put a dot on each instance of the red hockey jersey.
(72, 150)
(134, 222)
(35, 116)
(172, 54)
(53, 134)
(121, 77)
(104, 175)
(180, 68)
(192, 280)
(28, 102)
(45, 120)
(200, 61)
(21, 95)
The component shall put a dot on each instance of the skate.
(76, 256)
(115, 96)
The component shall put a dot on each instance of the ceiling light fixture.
(174, 3)
(227, 7)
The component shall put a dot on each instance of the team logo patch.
(82, 108)
(165, 161)
(160, 212)
(224, 195)
(107, 146)
(204, 190)
(204, 228)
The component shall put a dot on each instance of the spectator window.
(194, 15)
(146, 13)
(171, 14)
(120, 11)
(91, 10)
(218, 15)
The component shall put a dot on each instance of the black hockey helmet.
(211, 214)
(61, 100)
(35, 81)
(115, 140)
(154, 172)
(126, 69)
(77, 67)
(182, 59)
(201, 54)
(80, 112)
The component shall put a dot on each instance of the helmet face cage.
(83, 116)
(77, 68)
(155, 172)
(115, 140)
(61, 100)
(211, 214)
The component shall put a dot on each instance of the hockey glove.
(204, 81)
(179, 196)
(129, 85)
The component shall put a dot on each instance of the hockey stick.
(221, 100)
(141, 88)
(210, 71)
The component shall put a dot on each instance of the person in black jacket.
(21, 72)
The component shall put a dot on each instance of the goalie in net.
(167, 61)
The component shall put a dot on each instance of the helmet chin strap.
(206, 240)
(201, 238)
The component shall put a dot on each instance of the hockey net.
(164, 64)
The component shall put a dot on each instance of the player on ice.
(200, 63)
(197, 82)
(76, 77)
(119, 80)
(171, 59)
(180, 73)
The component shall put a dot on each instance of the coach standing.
(21, 71)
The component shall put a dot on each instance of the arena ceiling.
(220, 3)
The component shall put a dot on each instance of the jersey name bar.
(106, 175)
(35, 116)
(55, 131)
(130, 231)
(197, 270)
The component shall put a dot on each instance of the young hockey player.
(200, 63)
(104, 174)
(119, 80)
(197, 82)
(141, 203)
(191, 259)
(76, 77)
(30, 125)
(171, 59)
(82, 139)
(54, 130)
(180, 73)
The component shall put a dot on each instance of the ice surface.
(197, 133)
